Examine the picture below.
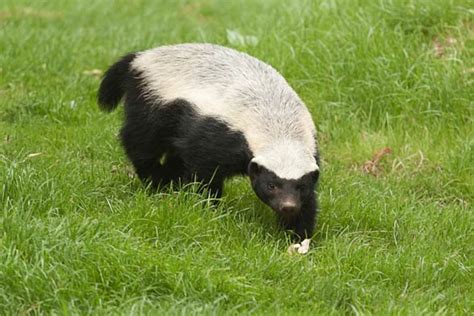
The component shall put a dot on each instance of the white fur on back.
(246, 93)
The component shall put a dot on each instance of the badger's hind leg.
(147, 133)
(171, 169)
(153, 160)
(149, 148)
(143, 150)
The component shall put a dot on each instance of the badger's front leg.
(302, 224)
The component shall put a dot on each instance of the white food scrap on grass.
(237, 39)
(293, 248)
(301, 248)
(304, 246)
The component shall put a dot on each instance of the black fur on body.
(169, 141)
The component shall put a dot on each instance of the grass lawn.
(80, 234)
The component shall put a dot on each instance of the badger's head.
(284, 180)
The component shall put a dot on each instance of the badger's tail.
(113, 85)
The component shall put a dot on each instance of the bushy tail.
(113, 85)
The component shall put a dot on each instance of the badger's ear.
(254, 169)
(316, 175)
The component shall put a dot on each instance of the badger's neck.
(287, 158)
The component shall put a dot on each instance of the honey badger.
(207, 112)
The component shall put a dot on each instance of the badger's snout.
(289, 206)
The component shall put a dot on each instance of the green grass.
(78, 234)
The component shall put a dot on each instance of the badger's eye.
(271, 186)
